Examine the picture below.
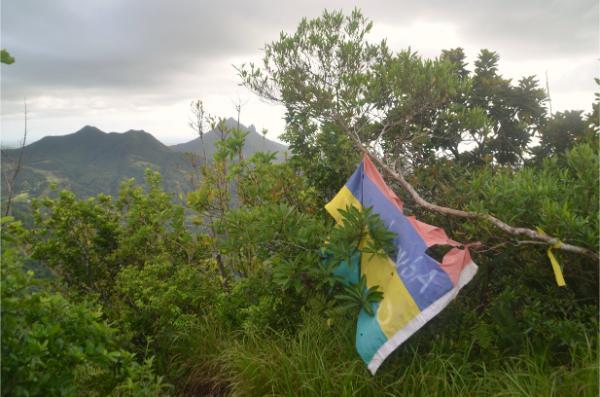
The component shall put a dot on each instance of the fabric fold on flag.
(415, 286)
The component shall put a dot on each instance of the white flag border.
(422, 318)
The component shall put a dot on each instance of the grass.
(320, 361)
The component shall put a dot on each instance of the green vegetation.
(91, 161)
(207, 144)
(6, 58)
(229, 290)
(52, 344)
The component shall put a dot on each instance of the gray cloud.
(161, 51)
(114, 43)
(532, 28)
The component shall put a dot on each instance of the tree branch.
(516, 231)
(11, 182)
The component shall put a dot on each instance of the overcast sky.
(137, 64)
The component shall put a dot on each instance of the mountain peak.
(136, 132)
(89, 129)
(91, 161)
(254, 142)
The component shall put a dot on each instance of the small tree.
(5, 57)
(388, 105)
(197, 120)
(10, 175)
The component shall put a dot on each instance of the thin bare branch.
(10, 183)
(515, 231)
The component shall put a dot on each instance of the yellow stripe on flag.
(341, 201)
(397, 307)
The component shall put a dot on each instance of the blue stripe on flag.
(354, 184)
(421, 274)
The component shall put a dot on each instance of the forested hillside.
(250, 303)
(91, 161)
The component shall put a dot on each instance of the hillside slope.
(91, 161)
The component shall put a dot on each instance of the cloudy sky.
(137, 64)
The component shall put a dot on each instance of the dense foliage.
(234, 289)
(53, 344)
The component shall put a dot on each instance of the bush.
(77, 239)
(87, 242)
(52, 346)
(258, 320)
(160, 304)
(256, 304)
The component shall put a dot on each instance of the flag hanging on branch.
(415, 286)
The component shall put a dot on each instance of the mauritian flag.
(415, 286)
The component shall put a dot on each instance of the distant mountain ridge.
(91, 161)
(255, 142)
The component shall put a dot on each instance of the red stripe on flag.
(377, 179)
(454, 261)
(432, 235)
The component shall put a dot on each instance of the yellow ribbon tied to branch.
(558, 275)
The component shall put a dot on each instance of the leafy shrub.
(52, 346)
(257, 304)
(77, 239)
(160, 303)
(262, 182)
(153, 226)
(87, 242)
(514, 305)
(270, 232)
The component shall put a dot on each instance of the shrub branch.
(398, 176)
